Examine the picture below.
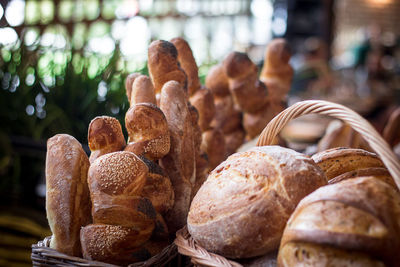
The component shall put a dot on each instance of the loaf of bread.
(179, 163)
(254, 123)
(337, 161)
(242, 208)
(213, 144)
(128, 84)
(203, 101)
(67, 194)
(227, 117)
(391, 132)
(163, 65)
(105, 136)
(148, 131)
(122, 220)
(188, 64)
(351, 223)
(217, 81)
(233, 141)
(142, 91)
(247, 91)
(277, 74)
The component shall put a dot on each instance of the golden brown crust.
(217, 81)
(247, 91)
(142, 91)
(391, 132)
(203, 101)
(163, 65)
(213, 144)
(337, 161)
(188, 64)
(148, 131)
(158, 188)
(277, 73)
(250, 196)
(227, 118)
(254, 123)
(105, 136)
(114, 244)
(356, 215)
(128, 84)
(233, 141)
(179, 163)
(67, 194)
(380, 173)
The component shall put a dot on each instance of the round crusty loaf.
(351, 223)
(242, 208)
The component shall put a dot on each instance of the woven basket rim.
(189, 247)
(43, 255)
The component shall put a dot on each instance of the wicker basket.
(187, 245)
(43, 255)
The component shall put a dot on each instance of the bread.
(179, 163)
(217, 81)
(213, 144)
(67, 194)
(188, 64)
(277, 73)
(391, 132)
(148, 131)
(128, 84)
(227, 118)
(337, 161)
(158, 188)
(104, 136)
(233, 141)
(203, 101)
(242, 208)
(142, 91)
(380, 173)
(163, 65)
(254, 123)
(351, 223)
(247, 91)
(114, 244)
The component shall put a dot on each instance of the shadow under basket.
(43, 255)
(189, 247)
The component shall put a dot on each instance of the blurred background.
(63, 62)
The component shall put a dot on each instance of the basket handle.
(337, 111)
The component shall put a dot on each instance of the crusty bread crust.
(67, 194)
(142, 91)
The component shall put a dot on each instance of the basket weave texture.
(43, 255)
(188, 246)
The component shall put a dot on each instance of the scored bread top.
(105, 131)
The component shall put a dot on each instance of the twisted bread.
(67, 194)
(217, 81)
(203, 101)
(105, 136)
(227, 118)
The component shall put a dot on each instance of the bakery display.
(351, 223)
(67, 194)
(250, 196)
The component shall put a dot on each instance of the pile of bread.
(341, 207)
(124, 202)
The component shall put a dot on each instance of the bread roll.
(67, 194)
(242, 208)
(213, 144)
(233, 141)
(163, 65)
(351, 223)
(254, 123)
(128, 84)
(188, 64)
(148, 131)
(105, 136)
(380, 173)
(158, 188)
(337, 161)
(179, 163)
(277, 74)
(391, 132)
(247, 91)
(227, 118)
(114, 244)
(217, 81)
(203, 101)
(142, 91)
